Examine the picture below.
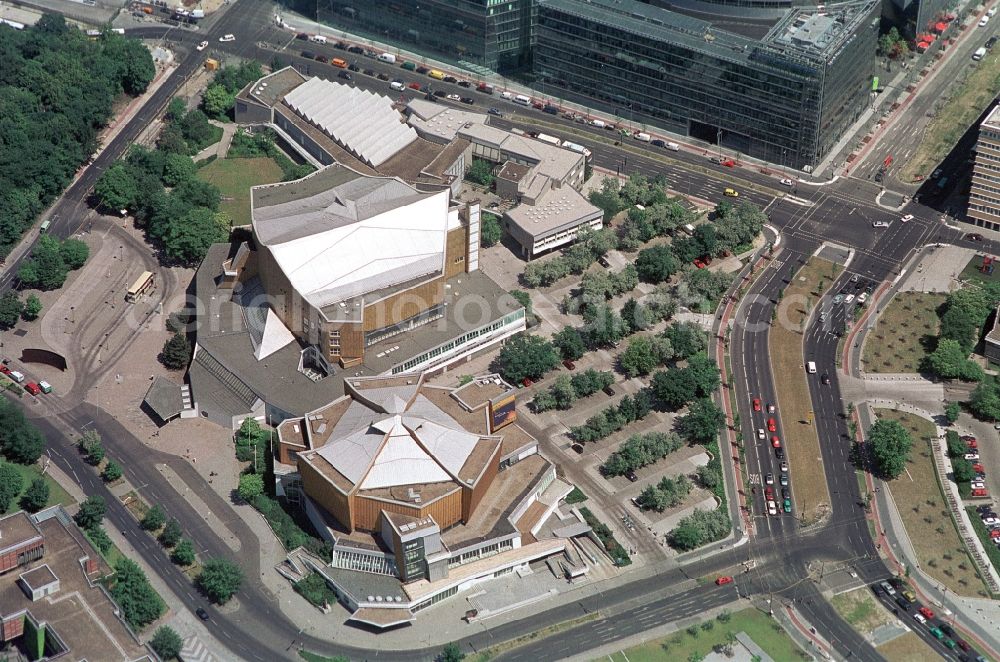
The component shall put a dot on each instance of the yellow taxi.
(731, 193)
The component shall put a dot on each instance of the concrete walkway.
(221, 148)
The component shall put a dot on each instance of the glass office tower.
(495, 34)
(786, 97)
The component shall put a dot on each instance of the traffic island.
(798, 434)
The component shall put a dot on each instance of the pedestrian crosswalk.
(196, 651)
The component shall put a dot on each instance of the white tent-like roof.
(363, 122)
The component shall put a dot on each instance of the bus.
(141, 285)
(580, 149)
(552, 140)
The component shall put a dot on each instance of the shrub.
(183, 553)
(314, 589)
(154, 518)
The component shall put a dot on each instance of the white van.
(507, 95)
(387, 57)
(673, 147)
(643, 137)
(811, 367)
(16, 376)
(397, 85)
(523, 100)
(979, 54)
(687, 229)
(597, 123)
(318, 39)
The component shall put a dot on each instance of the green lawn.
(29, 473)
(970, 98)
(992, 551)
(765, 631)
(971, 271)
(905, 330)
(234, 177)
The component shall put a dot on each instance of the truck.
(552, 140)
(485, 88)
(579, 149)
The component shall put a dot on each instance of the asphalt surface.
(783, 556)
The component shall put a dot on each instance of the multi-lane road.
(841, 212)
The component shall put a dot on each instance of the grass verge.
(576, 496)
(812, 499)
(29, 472)
(904, 334)
(494, 651)
(698, 642)
(972, 273)
(992, 551)
(970, 98)
(859, 608)
(112, 556)
(925, 514)
(234, 177)
(611, 545)
(908, 647)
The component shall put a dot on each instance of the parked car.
(383, 76)
(468, 100)
(631, 475)
(569, 364)
(32, 388)
(450, 79)
(578, 448)
(344, 75)
(608, 391)
(769, 479)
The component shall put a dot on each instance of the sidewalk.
(221, 148)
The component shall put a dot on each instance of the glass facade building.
(495, 34)
(786, 97)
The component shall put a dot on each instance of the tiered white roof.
(363, 122)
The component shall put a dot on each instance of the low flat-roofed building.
(21, 541)
(553, 220)
(55, 602)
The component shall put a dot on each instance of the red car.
(729, 163)
(978, 468)
(721, 581)
(698, 263)
(973, 444)
(771, 425)
(32, 388)
(414, 86)
(527, 381)
(980, 492)
(775, 441)
(769, 493)
(569, 364)
(926, 613)
(756, 404)
(4, 369)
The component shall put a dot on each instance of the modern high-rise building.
(495, 34)
(984, 196)
(778, 84)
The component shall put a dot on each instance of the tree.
(187, 240)
(32, 308)
(686, 338)
(46, 269)
(570, 343)
(951, 361)
(657, 264)
(112, 472)
(183, 553)
(250, 486)
(166, 643)
(890, 445)
(74, 253)
(526, 356)
(90, 445)
(176, 109)
(171, 533)
(704, 373)
(963, 470)
(20, 441)
(116, 188)
(154, 518)
(675, 387)
(985, 400)
(10, 486)
(703, 421)
(177, 169)
(640, 357)
(490, 231)
(607, 198)
(219, 580)
(36, 497)
(11, 309)
(217, 101)
(91, 512)
(637, 316)
(176, 352)
(139, 603)
(604, 327)
(451, 653)
(952, 411)
(524, 299)
(480, 172)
